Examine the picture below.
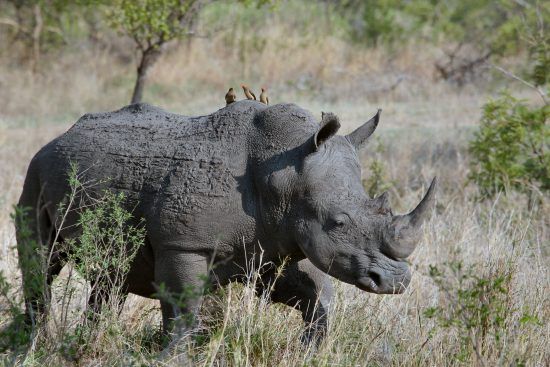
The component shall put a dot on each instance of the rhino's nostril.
(375, 277)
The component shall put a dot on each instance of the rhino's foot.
(313, 335)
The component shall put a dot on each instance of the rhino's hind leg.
(308, 290)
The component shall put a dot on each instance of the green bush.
(102, 255)
(483, 24)
(108, 243)
(511, 148)
(477, 306)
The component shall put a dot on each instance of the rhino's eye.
(340, 220)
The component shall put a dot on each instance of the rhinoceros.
(221, 189)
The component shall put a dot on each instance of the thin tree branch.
(525, 82)
(9, 22)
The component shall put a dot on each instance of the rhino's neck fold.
(278, 144)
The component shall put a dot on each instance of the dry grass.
(425, 126)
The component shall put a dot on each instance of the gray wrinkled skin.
(220, 189)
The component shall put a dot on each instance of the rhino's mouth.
(367, 284)
(373, 284)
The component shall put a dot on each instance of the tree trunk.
(148, 58)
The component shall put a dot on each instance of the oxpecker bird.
(248, 93)
(263, 97)
(230, 96)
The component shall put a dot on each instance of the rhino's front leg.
(180, 279)
(310, 291)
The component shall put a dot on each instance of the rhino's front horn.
(359, 136)
(419, 213)
(403, 233)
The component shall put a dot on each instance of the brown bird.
(230, 96)
(248, 93)
(263, 97)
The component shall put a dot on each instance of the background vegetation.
(464, 89)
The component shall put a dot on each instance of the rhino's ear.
(329, 127)
(359, 137)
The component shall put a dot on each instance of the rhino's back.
(159, 159)
(145, 132)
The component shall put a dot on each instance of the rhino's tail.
(35, 234)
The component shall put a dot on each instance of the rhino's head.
(341, 230)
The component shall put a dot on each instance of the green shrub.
(477, 307)
(108, 242)
(483, 24)
(102, 255)
(511, 148)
